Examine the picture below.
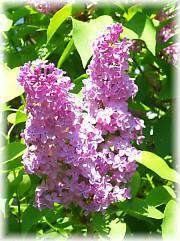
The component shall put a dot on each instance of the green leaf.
(24, 185)
(29, 218)
(118, 230)
(78, 85)
(11, 118)
(138, 106)
(120, 6)
(132, 11)
(160, 195)
(12, 150)
(16, 118)
(12, 164)
(159, 166)
(14, 177)
(20, 117)
(58, 18)
(6, 23)
(129, 34)
(99, 223)
(135, 184)
(84, 33)
(12, 155)
(149, 35)
(166, 92)
(80, 78)
(65, 54)
(140, 26)
(12, 225)
(163, 135)
(19, 182)
(139, 207)
(10, 88)
(137, 23)
(168, 224)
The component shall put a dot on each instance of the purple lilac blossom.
(136, 45)
(106, 93)
(167, 32)
(170, 53)
(165, 13)
(46, 7)
(82, 151)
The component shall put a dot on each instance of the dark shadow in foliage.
(136, 23)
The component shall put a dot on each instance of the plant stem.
(89, 226)
(23, 100)
(15, 110)
(9, 133)
(69, 48)
(19, 211)
(51, 226)
(19, 205)
(150, 180)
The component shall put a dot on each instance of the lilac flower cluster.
(83, 151)
(46, 7)
(167, 32)
(166, 13)
(170, 53)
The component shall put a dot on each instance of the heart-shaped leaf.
(84, 33)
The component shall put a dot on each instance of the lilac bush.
(76, 157)
(83, 150)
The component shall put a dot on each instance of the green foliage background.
(65, 39)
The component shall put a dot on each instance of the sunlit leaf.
(140, 26)
(160, 195)
(6, 23)
(11, 150)
(58, 18)
(159, 166)
(84, 33)
(137, 206)
(168, 224)
(132, 11)
(66, 52)
(11, 154)
(10, 88)
(16, 118)
(118, 230)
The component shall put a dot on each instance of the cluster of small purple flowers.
(171, 52)
(167, 32)
(83, 151)
(46, 7)
(165, 13)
